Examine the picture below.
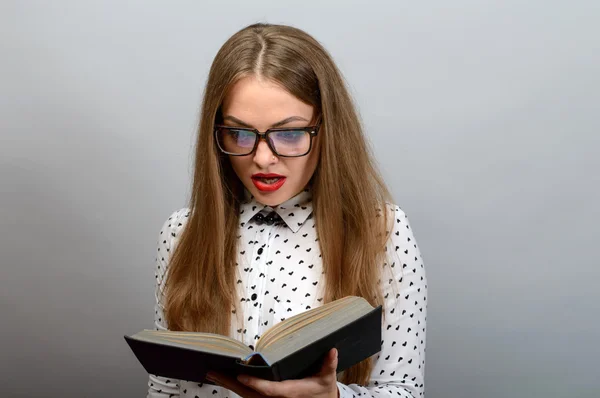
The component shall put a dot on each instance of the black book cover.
(355, 342)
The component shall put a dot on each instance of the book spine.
(257, 367)
(276, 374)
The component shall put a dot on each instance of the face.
(262, 104)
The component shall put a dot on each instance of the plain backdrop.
(483, 116)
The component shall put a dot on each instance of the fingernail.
(211, 376)
(243, 379)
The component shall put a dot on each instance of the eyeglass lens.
(285, 142)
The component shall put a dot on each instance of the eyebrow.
(278, 124)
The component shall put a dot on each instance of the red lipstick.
(268, 182)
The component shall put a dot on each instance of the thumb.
(330, 363)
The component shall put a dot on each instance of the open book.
(292, 349)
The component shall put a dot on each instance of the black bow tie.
(269, 219)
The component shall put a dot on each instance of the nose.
(263, 156)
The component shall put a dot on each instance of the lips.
(268, 182)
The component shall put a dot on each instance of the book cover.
(355, 342)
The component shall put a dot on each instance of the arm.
(400, 366)
(160, 387)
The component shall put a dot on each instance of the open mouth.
(268, 182)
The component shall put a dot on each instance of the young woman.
(288, 212)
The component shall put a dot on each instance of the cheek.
(305, 167)
(311, 165)
(313, 157)
(239, 164)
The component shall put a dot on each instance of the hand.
(321, 385)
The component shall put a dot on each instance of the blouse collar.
(294, 212)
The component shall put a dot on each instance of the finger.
(232, 384)
(330, 363)
(270, 388)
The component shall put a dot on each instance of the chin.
(270, 199)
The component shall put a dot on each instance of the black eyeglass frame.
(311, 130)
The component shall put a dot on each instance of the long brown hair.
(347, 189)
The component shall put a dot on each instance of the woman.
(287, 212)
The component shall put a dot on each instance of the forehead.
(261, 103)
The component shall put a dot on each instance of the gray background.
(483, 117)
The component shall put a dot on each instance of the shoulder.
(167, 239)
(394, 209)
(401, 237)
(174, 224)
(396, 218)
(403, 254)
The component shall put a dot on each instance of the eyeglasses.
(285, 142)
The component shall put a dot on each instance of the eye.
(242, 135)
(290, 135)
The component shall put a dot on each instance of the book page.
(303, 331)
(300, 319)
(205, 342)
